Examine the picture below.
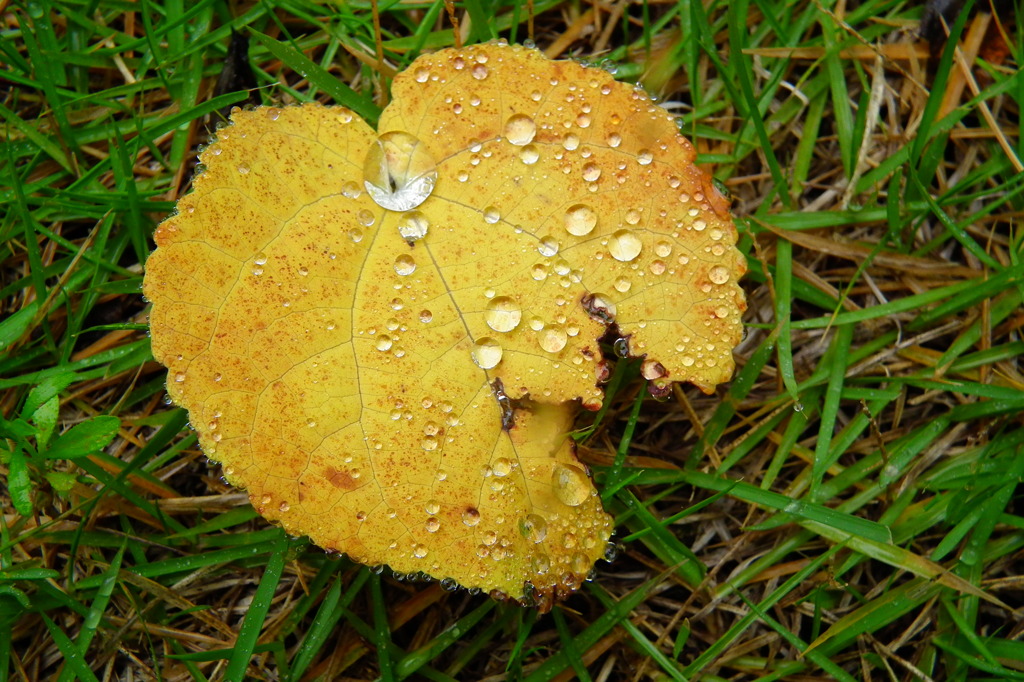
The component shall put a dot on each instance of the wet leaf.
(384, 337)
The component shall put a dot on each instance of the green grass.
(848, 507)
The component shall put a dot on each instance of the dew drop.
(405, 265)
(433, 524)
(600, 307)
(350, 190)
(624, 246)
(622, 284)
(614, 140)
(644, 158)
(553, 338)
(718, 274)
(529, 155)
(534, 528)
(571, 484)
(503, 315)
(663, 249)
(657, 267)
(426, 316)
(571, 142)
(471, 517)
(580, 220)
(539, 272)
(633, 216)
(365, 218)
(520, 129)
(479, 72)
(491, 215)
(399, 173)
(501, 467)
(591, 172)
(486, 353)
(384, 342)
(652, 370)
(413, 225)
(548, 246)
(419, 551)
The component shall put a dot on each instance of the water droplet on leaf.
(520, 129)
(503, 314)
(571, 484)
(405, 265)
(486, 353)
(580, 220)
(625, 246)
(399, 173)
(413, 225)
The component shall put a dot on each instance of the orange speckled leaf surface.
(384, 336)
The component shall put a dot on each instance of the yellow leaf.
(384, 337)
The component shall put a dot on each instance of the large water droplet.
(486, 353)
(553, 338)
(520, 129)
(351, 190)
(719, 274)
(548, 246)
(529, 154)
(599, 307)
(625, 246)
(652, 369)
(501, 467)
(591, 172)
(644, 158)
(399, 173)
(413, 225)
(580, 220)
(471, 516)
(533, 527)
(503, 314)
(405, 265)
(571, 484)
